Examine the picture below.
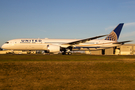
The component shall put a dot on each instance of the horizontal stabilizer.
(122, 42)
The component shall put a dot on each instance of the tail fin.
(114, 35)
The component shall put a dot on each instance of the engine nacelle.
(53, 48)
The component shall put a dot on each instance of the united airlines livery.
(66, 45)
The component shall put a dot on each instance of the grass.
(64, 72)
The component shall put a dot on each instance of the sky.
(77, 19)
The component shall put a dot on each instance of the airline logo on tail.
(114, 35)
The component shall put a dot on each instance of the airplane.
(66, 45)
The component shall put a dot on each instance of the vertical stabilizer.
(114, 35)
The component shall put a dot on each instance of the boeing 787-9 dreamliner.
(66, 45)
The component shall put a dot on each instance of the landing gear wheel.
(69, 53)
(66, 53)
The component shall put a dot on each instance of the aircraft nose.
(3, 46)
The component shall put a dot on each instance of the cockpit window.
(7, 42)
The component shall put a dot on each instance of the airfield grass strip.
(63, 58)
(64, 72)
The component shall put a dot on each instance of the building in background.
(126, 49)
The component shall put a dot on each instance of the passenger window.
(22, 40)
(40, 40)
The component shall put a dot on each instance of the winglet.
(114, 35)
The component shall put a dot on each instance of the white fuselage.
(33, 44)
(41, 44)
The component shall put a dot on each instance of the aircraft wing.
(84, 40)
(122, 42)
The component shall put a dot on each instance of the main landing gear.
(66, 53)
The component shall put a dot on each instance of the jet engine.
(53, 48)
